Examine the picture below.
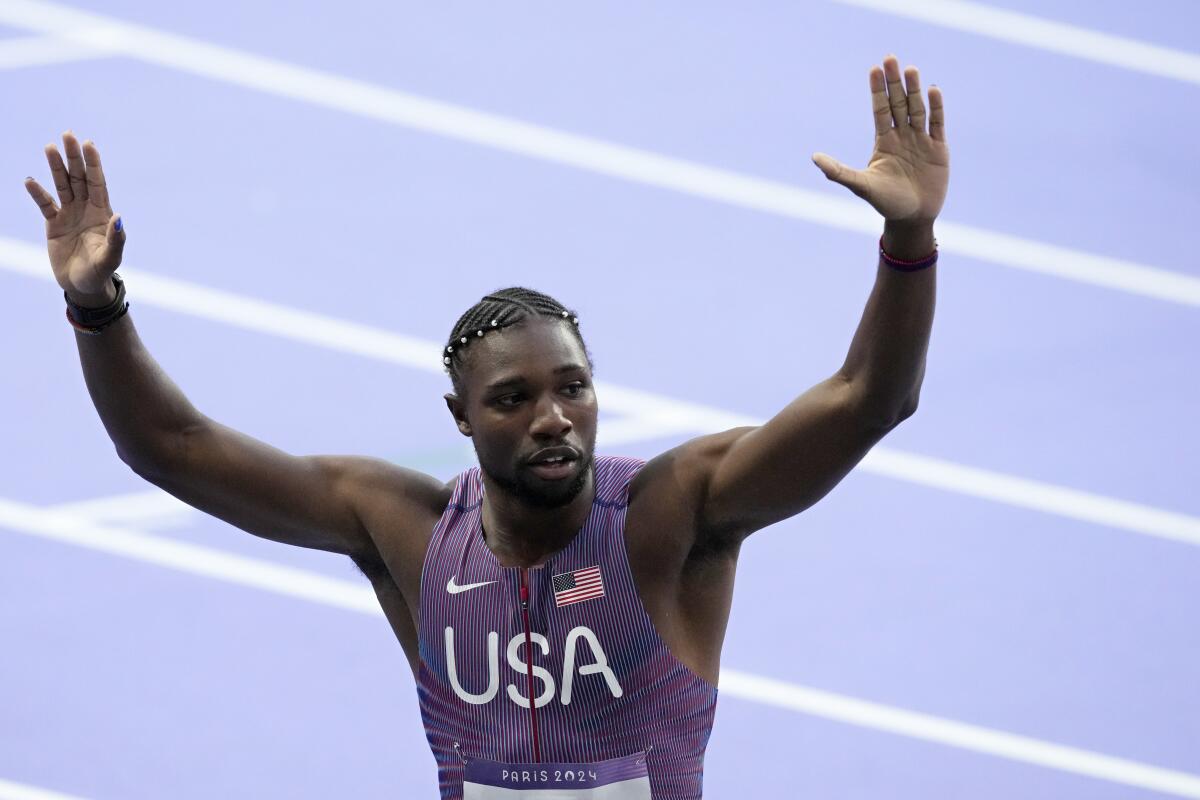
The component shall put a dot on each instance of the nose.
(549, 422)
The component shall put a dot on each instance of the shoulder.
(667, 496)
(370, 481)
(396, 505)
(684, 472)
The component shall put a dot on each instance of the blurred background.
(1000, 602)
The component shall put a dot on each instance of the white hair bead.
(446, 360)
(495, 323)
(463, 340)
(575, 320)
(565, 314)
(479, 333)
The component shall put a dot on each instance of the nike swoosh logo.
(454, 588)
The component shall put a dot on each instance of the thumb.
(114, 239)
(838, 172)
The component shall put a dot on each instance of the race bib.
(616, 779)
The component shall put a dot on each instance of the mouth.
(554, 464)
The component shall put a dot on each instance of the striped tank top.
(572, 633)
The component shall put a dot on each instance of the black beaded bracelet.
(93, 320)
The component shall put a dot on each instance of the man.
(602, 585)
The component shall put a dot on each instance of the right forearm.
(142, 409)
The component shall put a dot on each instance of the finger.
(75, 169)
(896, 98)
(916, 104)
(937, 118)
(114, 244)
(838, 172)
(58, 170)
(879, 103)
(97, 189)
(42, 198)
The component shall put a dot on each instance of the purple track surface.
(124, 678)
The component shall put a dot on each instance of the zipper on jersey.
(537, 753)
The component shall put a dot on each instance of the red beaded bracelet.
(907, 266)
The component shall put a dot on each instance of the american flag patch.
(574, 587)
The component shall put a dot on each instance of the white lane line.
(1073, 265)
(10, 790)
(984, 484)
(185, 557)
(152, 509)
(315, 329)
(1045, 34)
(650, 415)
(581, 152)
(929, 728)
(34, 51)
(1034, 495)
(629, 429)
(298, 583)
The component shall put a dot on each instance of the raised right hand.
(84, 236)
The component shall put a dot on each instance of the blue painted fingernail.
(120, 226)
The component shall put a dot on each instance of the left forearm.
(886, 360)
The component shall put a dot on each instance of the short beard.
(534, 497)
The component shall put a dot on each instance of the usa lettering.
(578, 636)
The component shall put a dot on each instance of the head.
(523, 393)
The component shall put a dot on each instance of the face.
(530, 410)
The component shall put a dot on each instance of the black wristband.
(97, 318)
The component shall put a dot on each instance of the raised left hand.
(909, 170)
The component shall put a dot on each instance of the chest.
(485, 628)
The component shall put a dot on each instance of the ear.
(458, 410)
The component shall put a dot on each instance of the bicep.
(769, 473)
(302, 500)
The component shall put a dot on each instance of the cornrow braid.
(502, 309)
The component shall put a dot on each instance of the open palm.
(909, 170)
(83, 235)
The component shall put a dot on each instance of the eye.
(508, 400)
(575, 389)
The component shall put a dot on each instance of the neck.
(521, 535)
